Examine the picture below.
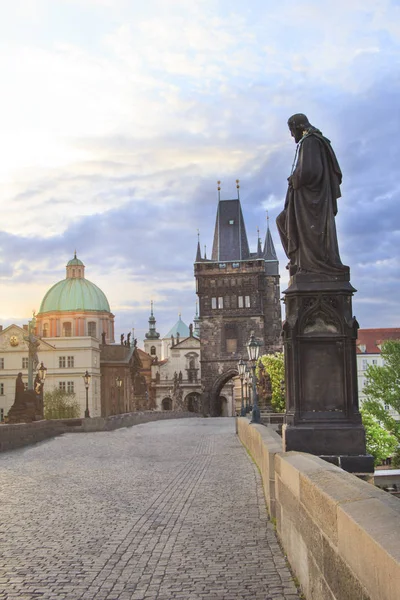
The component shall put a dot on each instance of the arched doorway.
(166, 404)
(220, 405)
(193, 402)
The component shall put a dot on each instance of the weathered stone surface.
(341, 534)
(162, 511)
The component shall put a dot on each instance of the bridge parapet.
(341, 534)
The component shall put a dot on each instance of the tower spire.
(270, 257)
(196, 321)
(198, 253)
(152, 334)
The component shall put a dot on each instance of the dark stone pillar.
(320, 332)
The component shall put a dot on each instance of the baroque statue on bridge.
(307, 223)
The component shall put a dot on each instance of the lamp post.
(253, 348)
(241, 369)
(118, 381)
(86, 379)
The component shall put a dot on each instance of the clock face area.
(14, 340)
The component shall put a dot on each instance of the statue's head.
(298, 124)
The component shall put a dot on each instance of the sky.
(118, 117)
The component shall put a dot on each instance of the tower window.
(45, 330)
(153, 351)
(213, 303)
(25, 362)
(92, 328)
(220, 302)
(231, 221)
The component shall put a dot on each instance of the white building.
(176, 368)
(369, 344)
(73, 315)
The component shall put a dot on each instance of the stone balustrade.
(23, 434)
(341, 534)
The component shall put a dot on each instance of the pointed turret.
(198, 253)
(196, 322)
(271, 260)
(152, 334)
(230, 238)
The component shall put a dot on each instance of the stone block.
(338, 575)
(322, 491)
(368, 540)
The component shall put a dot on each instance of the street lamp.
(42, 371)
(253, 348)
(118, 381)
(247, 382)
(242, 369)
(86, 378)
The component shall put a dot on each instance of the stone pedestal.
(320, 332)
(28, 408)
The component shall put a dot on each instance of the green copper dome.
(75, 293)
(72, 295)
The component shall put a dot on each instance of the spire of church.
(230, 238)
(270, 257)
(152, 334)
(196, 322)
(198, 253)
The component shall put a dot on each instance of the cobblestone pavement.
(163, 511)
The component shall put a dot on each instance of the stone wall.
(341, 534)
(24, 434)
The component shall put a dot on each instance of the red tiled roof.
(370, 338)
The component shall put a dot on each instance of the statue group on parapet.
(127, 342)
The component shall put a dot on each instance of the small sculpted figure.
(103, 338)
(122, 339)
(19, 389)
(128, 340)
(307, 223)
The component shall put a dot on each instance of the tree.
(273, 365)
(380, 442)
(59, 404)
(383, 388)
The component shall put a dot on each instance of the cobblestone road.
(165, 510)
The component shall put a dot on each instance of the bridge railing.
(341, 534)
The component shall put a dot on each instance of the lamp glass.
(253, 348)
(241, 368)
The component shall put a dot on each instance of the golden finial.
(219, 185)
(237, 184)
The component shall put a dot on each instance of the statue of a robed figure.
(320, 331)
(307, 223)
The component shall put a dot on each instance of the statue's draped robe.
(307, 223)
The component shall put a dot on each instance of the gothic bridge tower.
(238, 293)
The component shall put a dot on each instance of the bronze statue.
(19, 389)
(307, 223)
(122, 339)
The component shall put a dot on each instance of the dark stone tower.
(238, 293)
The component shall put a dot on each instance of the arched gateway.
(238, 293)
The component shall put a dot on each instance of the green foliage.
(383, 387)
(380, 442)
(273, 364)
(59, 404)
(383, 383)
